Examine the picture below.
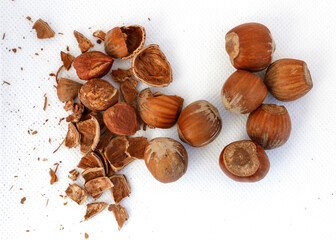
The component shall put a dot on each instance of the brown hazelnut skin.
(244, 161)
(243, 92)
(269, 126)
(121, 119)
(98, 95)
(250, 46)
(166, 159)
(199, 123)
(288, 79)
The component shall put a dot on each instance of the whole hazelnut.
(159, 110)
(199, 123)
(98, 95)
(250, 46)
(166, 159)
(124, 42)
(243, 92)
(244, 161)
(93, 64)
(151, 66)
(269, 126)
(121, 119)
(288, 79)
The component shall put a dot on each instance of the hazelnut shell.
(269, 126)
(159, 110)
(288, 79)
(199, 123)
(151, 66)
(166, 159)
(67, 89)
(243, 92)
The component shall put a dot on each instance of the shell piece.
(73, 137)
(98, 95)
(90, 132)
(92, 209)
(90, 160)
(269, 126)
(288, 79)
(92, 173)
(67, 89)
(243, 92)
(105, 137)
(151, 66)
(121, 119)
(76, 193)
(128, 91)
(124, 42)
(119, 213)
(199, 123)
(159, 110)
(43, 29)
(116, 153)
(250, 46)
(166, 159)
(137, 146)
(120, 189)
(96, 115)
(77, 113)
(67, 60)
(244, 161)
(99, 34)
(120, 75)
(83, 43)
(98, 185)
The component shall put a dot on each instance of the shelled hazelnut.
(269, 126)
(243, 92)
(250, 46)
(244, 161)
(199, 123)
(166, 159)
(288, 79)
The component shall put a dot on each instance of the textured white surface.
(297, 199)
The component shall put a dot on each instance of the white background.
(297, 199)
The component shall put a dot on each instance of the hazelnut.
(250, 46)
(166, 159)
(124, 42)
(151, 66)
(288, 79)
(92, 65)
(243, 92)
(98, 95)
(159, 110)
(121, 119)
(269, 126)
(244, 161)
(199, 124)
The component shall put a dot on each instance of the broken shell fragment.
(98, 95)
(73, 137)
(92, 173)
(83, 43)
(151, 66)
(98, 185)
(90, 132)
(67, 60)
(136, 148)
(119, 213)
(124, 42)
(77, 113)
(92, 209)
(43, 29)
(76, 193)
(90, 160)
(120, 75)
(120, 189)
(67, 89)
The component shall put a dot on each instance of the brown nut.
(288, 79)
(158, 110)
(250, 46)
(243, 92)
(92, 65)
(199, 124)
(67, 89)
(124, 42)
(151, 66)
(121, 119)
(98, 95)
(269, 126)
(166, 159)
(244, 161)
